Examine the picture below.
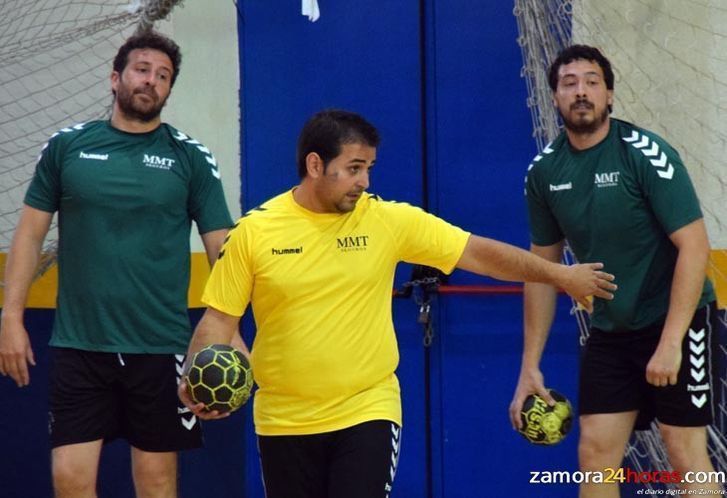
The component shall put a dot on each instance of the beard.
(345, 205)
(578, 126)
(130, 105)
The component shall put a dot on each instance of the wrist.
(557, 275)
(670, 342)
(10, 316)
(529, 366)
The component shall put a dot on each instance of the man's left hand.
(663, 367)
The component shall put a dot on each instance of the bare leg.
(75, 469)
(687, 450)
(155, 474)
(602, 445)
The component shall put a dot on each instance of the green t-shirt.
(616, 203)
(125, 204)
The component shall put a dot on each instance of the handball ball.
(220, 377)
(544, 424)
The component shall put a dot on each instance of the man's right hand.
(197, 408)
(15, 353)
(530, 381)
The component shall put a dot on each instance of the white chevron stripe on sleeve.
(663, 168)
(652, 151)
(634, 137)
(659, 163)
(668, 174)
(642, 143)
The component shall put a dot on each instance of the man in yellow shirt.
(317, 264)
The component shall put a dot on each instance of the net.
(55, 61)
(670, 64)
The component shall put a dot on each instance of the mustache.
(579, 103)
(146, 91)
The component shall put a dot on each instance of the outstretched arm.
(506, 262)
(15, 348)
(539, 311)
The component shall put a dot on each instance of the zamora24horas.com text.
(623, 475)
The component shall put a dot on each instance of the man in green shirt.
(126, 191)
(621, 195)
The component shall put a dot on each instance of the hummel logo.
(699, 387)
(562, 186)
(158, 162)
(606, 179)
(292, 250)
(99, 157)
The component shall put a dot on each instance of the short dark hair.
(326, 131)
(580, 52)
(153, 40)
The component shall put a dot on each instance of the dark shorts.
(356, 462)
(110, 395)
(613, 374)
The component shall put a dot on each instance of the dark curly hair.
(153, 40)
(580, 52)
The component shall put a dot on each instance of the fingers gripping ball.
(543, 424)
(220, 377)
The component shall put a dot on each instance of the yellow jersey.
(320, 285)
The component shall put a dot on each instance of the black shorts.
(109, 395)
(613, 374)
(356, 462)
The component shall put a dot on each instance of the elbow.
(698, 252)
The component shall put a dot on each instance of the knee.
(155, 477)
(72, 480)
(686, 447)
(597, 453)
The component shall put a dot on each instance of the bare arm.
(505, 262)
(215, 327)
(15, 348)
(539, 310)
(693, 245)
(212, 242)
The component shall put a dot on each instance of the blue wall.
(441, 80)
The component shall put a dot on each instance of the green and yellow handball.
(220, 377)
(544, 424)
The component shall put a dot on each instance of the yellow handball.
(544, 424)
(220, 377)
